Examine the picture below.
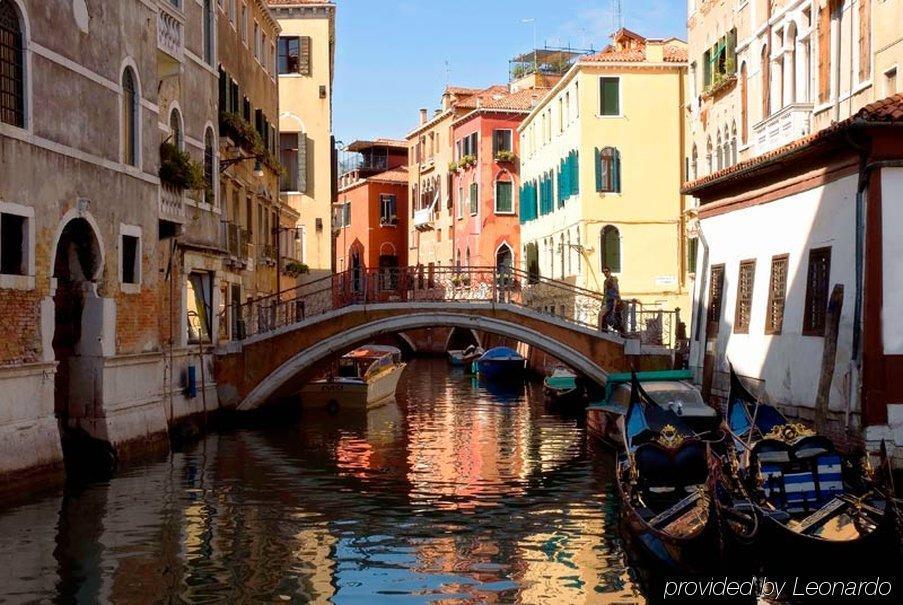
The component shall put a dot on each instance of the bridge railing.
(652, 325)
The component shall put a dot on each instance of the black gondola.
(663, 482)
(813, 506)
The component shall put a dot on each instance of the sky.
(395, 56)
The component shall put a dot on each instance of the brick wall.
(21, 313)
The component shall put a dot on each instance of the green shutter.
(576, 173)
(598, 170)
(611, 249)
(611, 102)
(616, 171)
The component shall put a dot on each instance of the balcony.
(170, 38)
(787, 125)
(172, 204)
(266, 254)
(235, 241)
(424, 219)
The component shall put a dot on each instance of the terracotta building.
(486, 177)
(371, 215)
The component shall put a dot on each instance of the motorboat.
(364, 378)
(670, 389)
(501, 363)
(465, 357)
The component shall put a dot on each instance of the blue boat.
(501, 363)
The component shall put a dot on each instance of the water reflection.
(450, 494)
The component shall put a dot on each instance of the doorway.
(76, 266)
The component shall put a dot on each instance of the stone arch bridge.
(279, 340)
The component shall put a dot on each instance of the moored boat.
(815, 506)
(562, 388)
(465, 357)
(365, 378)
(663, 483)
(670, 389)
(501, 363)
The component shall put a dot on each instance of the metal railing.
(575, 305)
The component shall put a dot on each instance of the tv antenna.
(617, 15)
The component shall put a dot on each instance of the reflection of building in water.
(570, 563)
(313, 561)
(376, 445)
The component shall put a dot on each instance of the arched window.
(504, 257)
(694, 163)
(531, 252)
(12, 66)
(719, 151)
(611, 248)
(209, 166)
(790, 66)
(766, 83)
(130, 98)
(744, 105)
(467, 257)
(733, 143)
(608, 170)
(564, 252)
(175, 129)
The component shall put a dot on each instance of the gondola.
(664, 488)
(813, 506)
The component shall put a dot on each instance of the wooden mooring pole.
(828, 359)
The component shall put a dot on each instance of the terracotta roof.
(461, 90)
(296, 2)
(395, 175)
(672, 53)
(889, 110)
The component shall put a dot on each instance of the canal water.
(453, 494)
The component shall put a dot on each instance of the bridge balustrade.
(435, 284)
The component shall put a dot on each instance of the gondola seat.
(798, 489)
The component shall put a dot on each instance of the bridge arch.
(348, 339)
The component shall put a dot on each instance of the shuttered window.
(716, 295)
(692, 248)
(504, 197)
(777, 293)
(610, 96)
(817, 281)
(611, 248)
(824, 51)
(474, 198)
(745, 281)
(528, 202)
(865, 40)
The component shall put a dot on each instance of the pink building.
(485, 177)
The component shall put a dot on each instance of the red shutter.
(824, 52)
(865, 41)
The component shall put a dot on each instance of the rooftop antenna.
(447, 73)
(535, 58)
(617, 15)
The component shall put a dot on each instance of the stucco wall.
(789, 363)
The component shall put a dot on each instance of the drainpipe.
(865, 170)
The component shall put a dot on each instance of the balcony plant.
(503, 155)
(467, 161)
(178, 170)
(247, 138)
(452, 166)
(295, 268)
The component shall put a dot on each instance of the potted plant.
(295, 268)
(178, 170)
(452, 166)
(504, 155)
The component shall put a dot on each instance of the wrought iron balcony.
(790, 123)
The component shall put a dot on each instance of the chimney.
(437, 112)
(423, 115)
(479, 102)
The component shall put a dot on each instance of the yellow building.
(305, 61)
(601, 173)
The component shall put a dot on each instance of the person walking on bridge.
(611, 310)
